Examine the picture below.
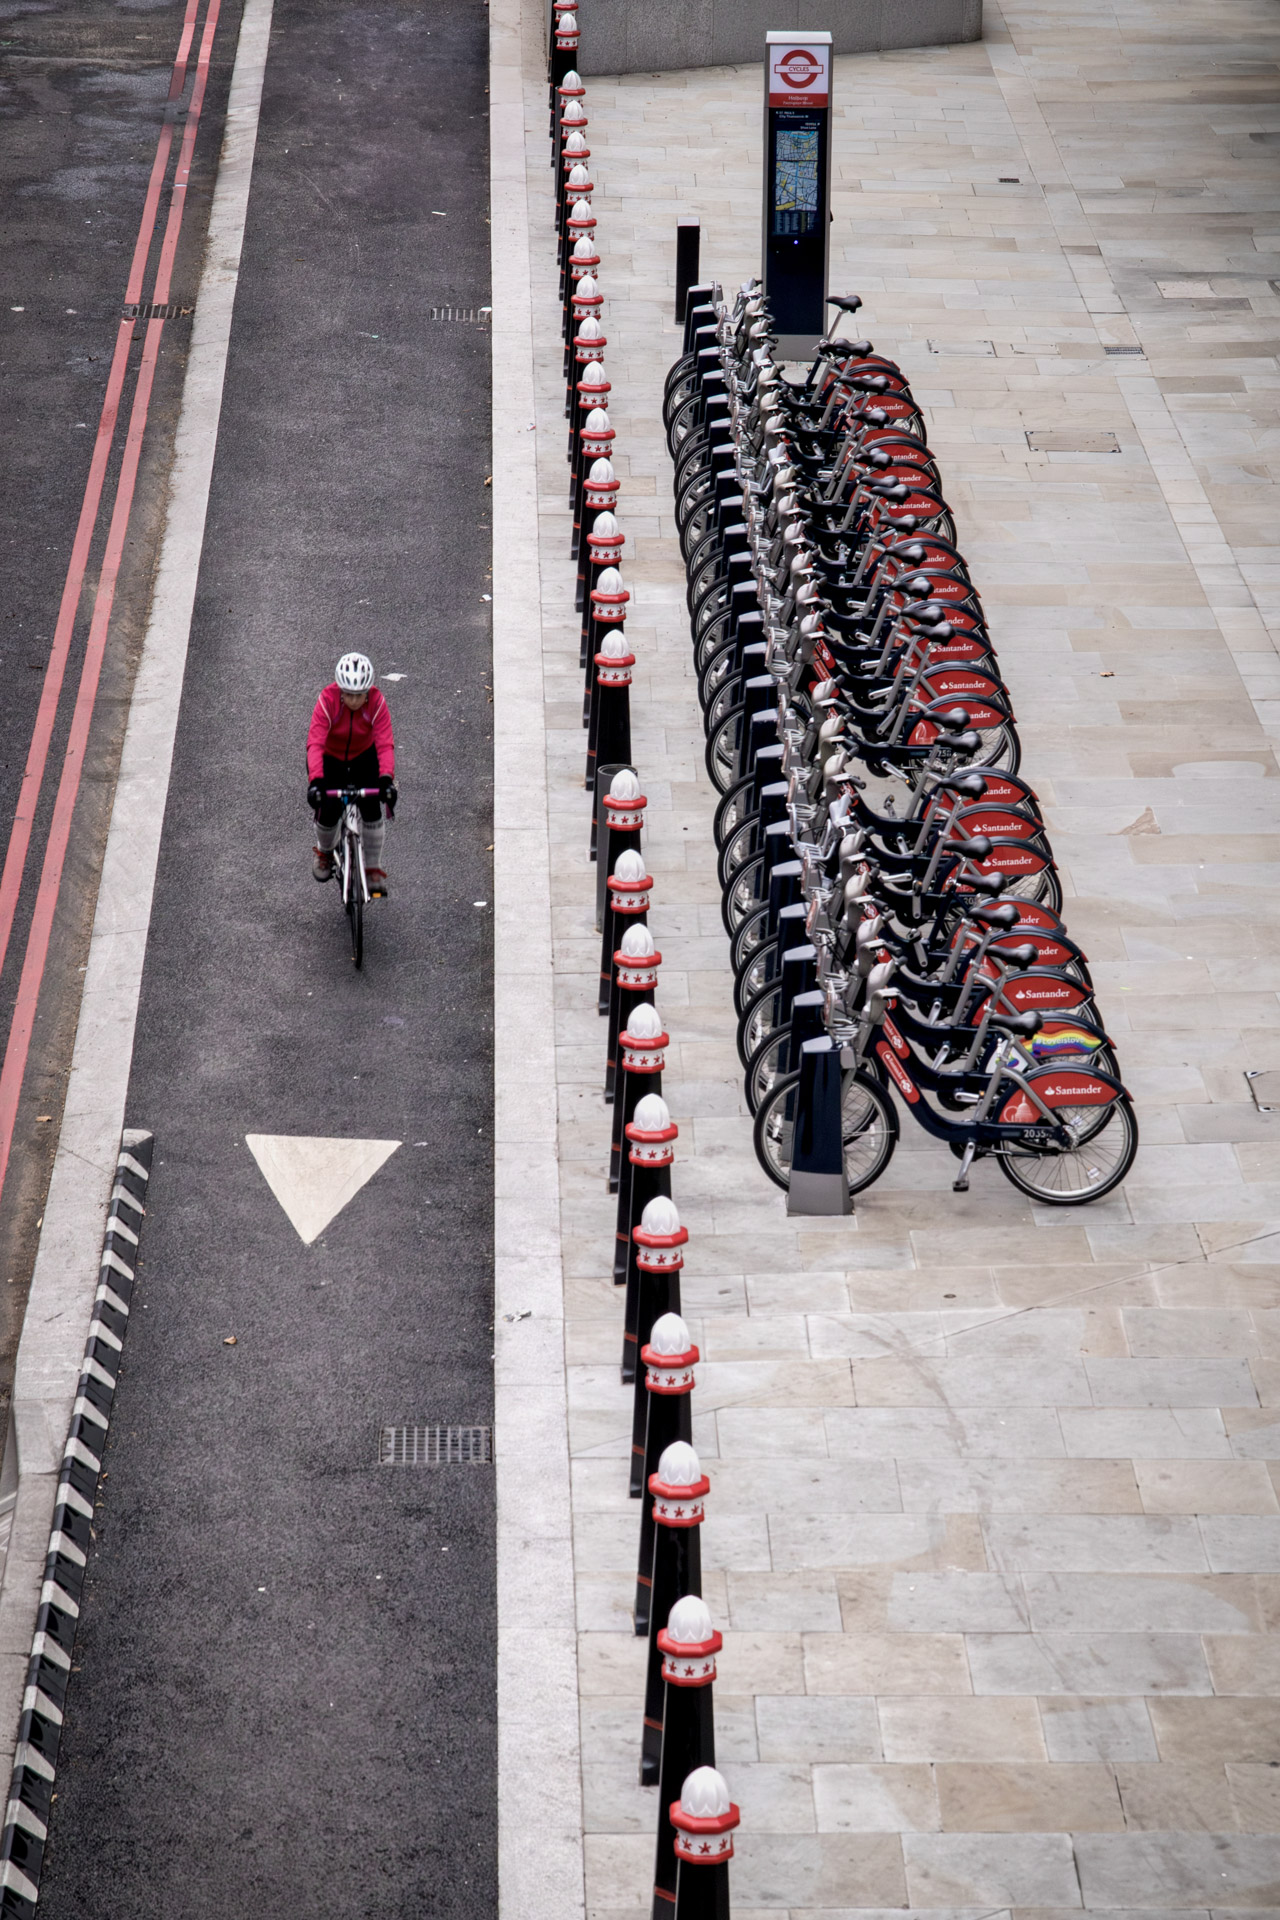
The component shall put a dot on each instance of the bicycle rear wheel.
(870, 1128)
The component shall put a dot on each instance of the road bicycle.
(349, 854)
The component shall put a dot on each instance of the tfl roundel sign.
(798, 74)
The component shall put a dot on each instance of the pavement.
(993, 1524)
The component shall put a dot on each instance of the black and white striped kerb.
(26, 1817)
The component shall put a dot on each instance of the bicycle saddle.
(847, 303)
(1019, 958)
(1021, 1024)
(1004, 918)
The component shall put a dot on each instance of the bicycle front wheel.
(869, 1125)
(1105, 1142)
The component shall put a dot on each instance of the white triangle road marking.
(314, 1178)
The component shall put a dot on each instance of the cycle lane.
(286, 1668)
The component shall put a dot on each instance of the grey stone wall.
(639, 36)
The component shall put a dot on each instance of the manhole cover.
(1070, 440)
(435, 1446)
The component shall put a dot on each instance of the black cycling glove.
(315, 795)
(390, 794)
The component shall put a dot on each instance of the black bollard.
(818, 1183)
(635, 979)
(609, 721)
(642, 1048)
(704, 1818)
(689, 1646)
(616, 822)
(678, 1490)
(629, 890)
(645, 1175)
(659, 1242)
(669, 1357)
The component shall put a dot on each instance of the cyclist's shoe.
(321, 864)
(378, 888)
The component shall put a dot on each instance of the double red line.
(24, 1013)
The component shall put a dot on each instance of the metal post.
(688, 248)
(818, 1183)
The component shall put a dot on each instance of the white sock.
(375, 832)
(327, 837)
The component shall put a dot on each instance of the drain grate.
(467, 316)
(148, 310)
(1134, 352)
(435, 1446)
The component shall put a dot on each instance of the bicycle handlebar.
(352, 793)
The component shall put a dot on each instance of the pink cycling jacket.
(341, 734)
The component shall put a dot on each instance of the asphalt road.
(285, 1696)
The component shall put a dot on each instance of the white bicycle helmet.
(354, 673)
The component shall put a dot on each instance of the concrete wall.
(653, 36)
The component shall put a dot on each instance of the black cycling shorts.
(360, 772)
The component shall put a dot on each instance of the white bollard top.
(581, 209)
(661, 1215)
(629, 866)
(603, 527)
(586, 288)
(681, 1467)
(670, 1334)
(576, 143)
(610, 581)
(584, 247)
(689, 1621)
(590, 329)
(573, 78)
(578, 177)
(704, 1794)
(614, 646)
(602, 469)
(644, 1024)
(592, 374)
(652, 1113)
(624, 785)
(637, 943)
(597, 421)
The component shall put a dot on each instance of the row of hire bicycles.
(887, 875)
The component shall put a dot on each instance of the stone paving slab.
(993, 1531)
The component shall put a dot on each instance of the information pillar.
(797, 187)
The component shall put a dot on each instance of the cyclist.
(350, 744)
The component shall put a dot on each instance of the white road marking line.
(314, 1177)
(68, 1259)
